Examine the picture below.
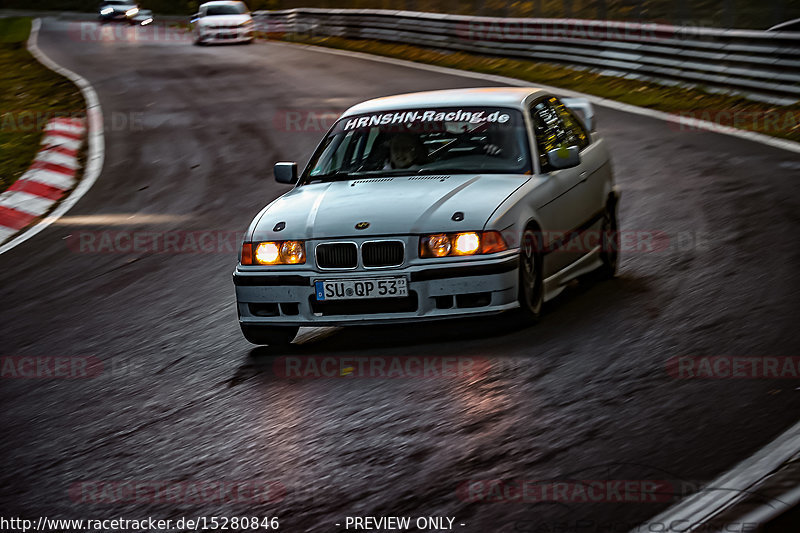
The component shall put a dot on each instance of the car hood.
(391, 205)
(223, 20)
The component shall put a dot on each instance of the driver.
(405, 150)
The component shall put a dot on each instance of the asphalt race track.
(585, 394)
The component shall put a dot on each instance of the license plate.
(349, 289)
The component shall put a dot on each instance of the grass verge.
(727, 111)
(30, 95)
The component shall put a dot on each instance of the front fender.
(516, 212)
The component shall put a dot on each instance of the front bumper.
(211, 36)
(117, 16)
(449, 290)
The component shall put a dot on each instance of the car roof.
(476, 96)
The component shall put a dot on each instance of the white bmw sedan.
(223, 21)
(432, 205)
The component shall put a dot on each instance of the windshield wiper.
(449, 170)
(330, 176)
(343, 175)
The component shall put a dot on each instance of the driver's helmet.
(405, 150)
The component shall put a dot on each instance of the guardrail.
(758, 64)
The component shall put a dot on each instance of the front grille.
(337, 255)
(382, 253)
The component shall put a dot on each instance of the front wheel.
(269, 335)
(531, 280)
(609, 239)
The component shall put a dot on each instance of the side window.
(571, 123)
(554, 126)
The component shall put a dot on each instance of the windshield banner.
(428, 115)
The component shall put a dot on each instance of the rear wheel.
(531, 281)
(269, 335)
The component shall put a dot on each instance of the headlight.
(132, 12)
(147, 21)
(274, 253)
(106, 11)
(464, 243)
(247, 23)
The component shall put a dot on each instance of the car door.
(564, 209)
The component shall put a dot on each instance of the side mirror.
(564, 157)
(285, 172)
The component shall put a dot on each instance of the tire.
(609, 239)
(531, 280)
(269, 335)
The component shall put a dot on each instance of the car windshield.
(423, 141)
(226, 9)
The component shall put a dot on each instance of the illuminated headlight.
(464, 243)
(147, 21)
(106, 11)
(132, 12)
(274, 253)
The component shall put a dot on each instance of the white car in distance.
(223, 22)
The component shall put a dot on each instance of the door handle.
(584, 176)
